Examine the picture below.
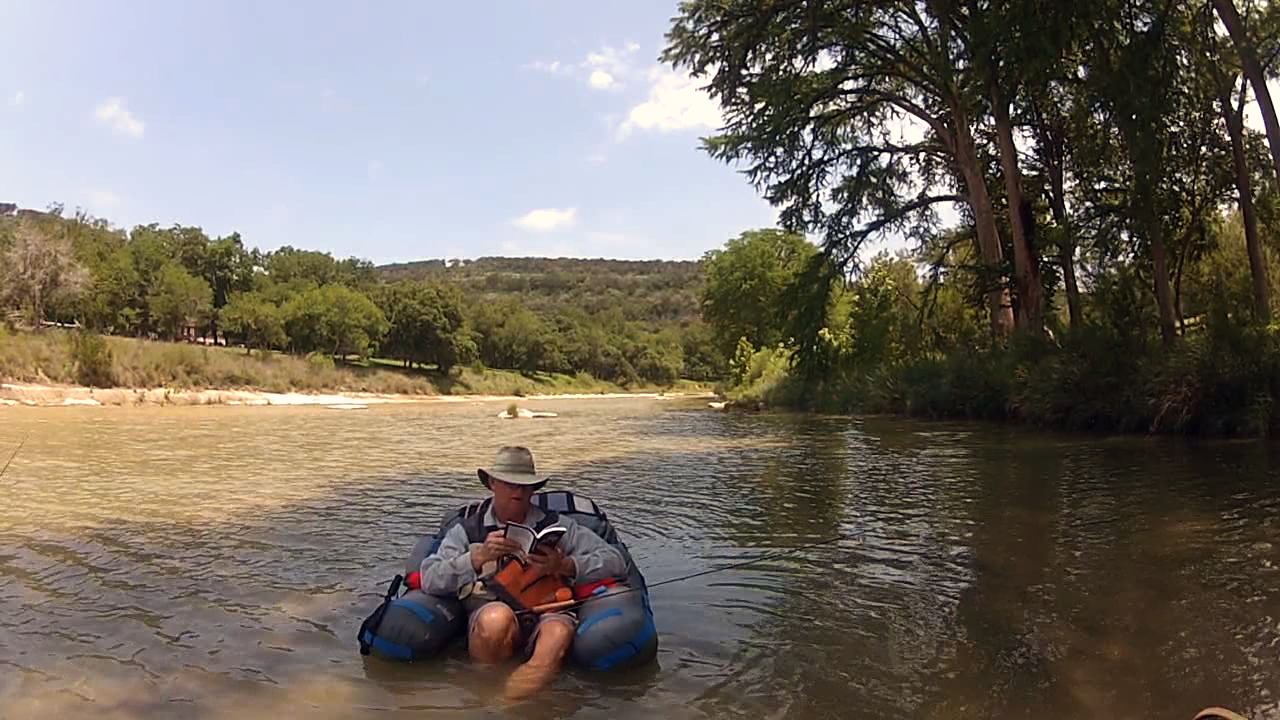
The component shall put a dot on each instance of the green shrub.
(320, 360)
(93, 360)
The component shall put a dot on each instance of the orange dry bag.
(522, 588)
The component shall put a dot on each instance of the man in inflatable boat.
(479, 563)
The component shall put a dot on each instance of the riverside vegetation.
(1110, 268)
(1113, 263)
(307, 321)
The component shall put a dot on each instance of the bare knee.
(554, 639)
(493, 636)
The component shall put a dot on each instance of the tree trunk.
(1025, 260)
(1252, 70)
(1053, 155)
(1066, 248)
(985, 223)
(37, 303)
(1160, 266)
(1183, 251)
(1257, 262)
(966, 159)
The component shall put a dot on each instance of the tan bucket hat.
(512, 464)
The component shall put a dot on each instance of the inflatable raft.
(615, 624)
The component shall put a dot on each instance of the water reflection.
(215, 562)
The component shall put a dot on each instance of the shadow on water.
(1104, 577)
(984, 572)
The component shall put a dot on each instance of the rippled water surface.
(216, 562)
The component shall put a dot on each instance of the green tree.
(426, 325)
(111, 296)
(746, 281)
(179, 299)
(660, 359)
(258, 321)
(334, 319)
(1155, 164)
(228, 268)
(808, 89)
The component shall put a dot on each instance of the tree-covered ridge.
(631, 322)
(656, 291)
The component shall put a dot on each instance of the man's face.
(510, 501)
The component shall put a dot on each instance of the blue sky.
(393, 131)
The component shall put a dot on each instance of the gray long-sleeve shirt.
(449, 567)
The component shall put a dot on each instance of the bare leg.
(549, 648)
(493, 633)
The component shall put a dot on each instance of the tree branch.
(901, 212)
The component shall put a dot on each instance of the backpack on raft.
(615, 622)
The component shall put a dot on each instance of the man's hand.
(551, 560)
(493, 549)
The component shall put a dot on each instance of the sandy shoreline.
(32, 395)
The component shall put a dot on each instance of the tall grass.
(58, 356)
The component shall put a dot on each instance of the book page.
(550, 535)
(522, 535)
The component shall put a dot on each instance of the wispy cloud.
(113, 113)
(19, 98)
(548, 66)
(675, 102)
(545, 219)
(606, 68)
(611, 59)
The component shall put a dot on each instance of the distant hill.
(655, 291)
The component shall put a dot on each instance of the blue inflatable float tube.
(615, 625)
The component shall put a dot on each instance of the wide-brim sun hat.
(512, 464)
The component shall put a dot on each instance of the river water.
(215, 562)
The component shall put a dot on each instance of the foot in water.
(548, 654)
(1217, 713)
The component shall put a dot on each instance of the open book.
(528, 539)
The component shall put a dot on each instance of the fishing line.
(570, 605)
(15, 453)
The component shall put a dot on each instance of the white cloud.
(612, 59)
(602, 69)
(113, 113)
(545, 219)
(103, 200)
(554, 67)
(601, 80)
(19, 97)
(675, 102)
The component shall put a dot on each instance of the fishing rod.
(15, 453)
(570, 604)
